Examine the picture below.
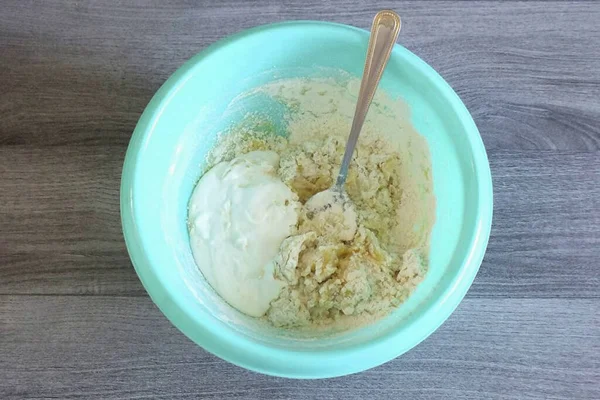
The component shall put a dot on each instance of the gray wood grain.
(544, 243)
(61, 228)
(546, 226)
(82, 72)
(76, 323)
(123, 348)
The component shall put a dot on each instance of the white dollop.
(239, 214)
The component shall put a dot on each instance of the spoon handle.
(384, 32)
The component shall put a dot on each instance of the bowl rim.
(238, 350)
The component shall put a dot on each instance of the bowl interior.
(179, 127)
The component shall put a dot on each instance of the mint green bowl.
(179, 126)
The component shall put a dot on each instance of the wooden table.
(75, 321)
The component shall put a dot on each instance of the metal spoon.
(384, 32)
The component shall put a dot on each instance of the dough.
(352, 264)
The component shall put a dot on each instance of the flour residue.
(338, 282)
